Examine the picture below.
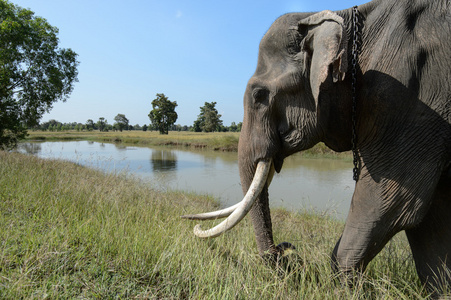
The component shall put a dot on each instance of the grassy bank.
(218, 141)
(71, 232)
(213, 141)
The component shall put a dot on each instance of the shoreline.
(215, 141)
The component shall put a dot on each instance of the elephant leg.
(431, 240)
(380, 209)
(366, 232)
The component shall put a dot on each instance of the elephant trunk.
(260, 213)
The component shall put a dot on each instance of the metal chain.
(354, 62)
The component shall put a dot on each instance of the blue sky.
(192, 51)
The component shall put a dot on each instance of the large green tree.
(163, 113)
(34, 72)
(209, 119)
(102, 124)
(90, 125)
(121, 122)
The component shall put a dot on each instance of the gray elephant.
(381, 87)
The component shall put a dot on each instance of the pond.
(322, 185)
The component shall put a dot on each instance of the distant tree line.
(162, 117)
(121, 124)
(102, 125)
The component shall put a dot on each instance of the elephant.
(374, 79)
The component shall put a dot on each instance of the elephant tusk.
(239, 211)
(222, 213)
(270, 175)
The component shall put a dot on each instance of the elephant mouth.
(278, 163)
(293, 141)
(263, 176)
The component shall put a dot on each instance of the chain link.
(354, 62)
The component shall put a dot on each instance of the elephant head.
(300, 55)
(302, 94)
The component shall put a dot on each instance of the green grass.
(225, 141)
(68, 232)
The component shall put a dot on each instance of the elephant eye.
(294, 45)
(260, 95)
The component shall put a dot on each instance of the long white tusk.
(222, 213)
(270, 175)
(239, 212)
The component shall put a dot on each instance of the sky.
(193, 51)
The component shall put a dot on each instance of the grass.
(68, 232)
(218, 141)
(225, 141)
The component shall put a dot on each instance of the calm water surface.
(322, 185)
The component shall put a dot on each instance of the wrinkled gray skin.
(300, 95)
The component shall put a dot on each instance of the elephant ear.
(326, 44)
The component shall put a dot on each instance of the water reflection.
(163, 160)
(319, 184)
(120, 147)
(30, 148)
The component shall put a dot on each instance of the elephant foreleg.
(366, 232)
(379, 210)
(431, 241)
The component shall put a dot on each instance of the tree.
(238, 129)
(90, 124)
(163, 113)
(34, 72)
(102, 124)
(121, 122)
(233, 127)
(197, 126)
(209, 118)
(46, 125)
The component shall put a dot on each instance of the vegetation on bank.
(199, 140)
(67, 231)
(34, 71)
(218, 141)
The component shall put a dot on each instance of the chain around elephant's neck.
(356, 31)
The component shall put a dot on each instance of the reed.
(68, 231)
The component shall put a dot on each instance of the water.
(323, 185)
